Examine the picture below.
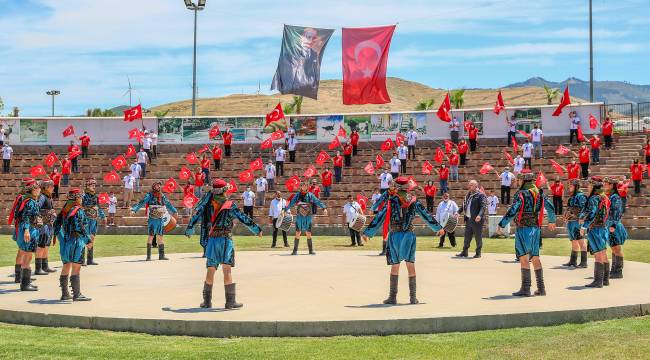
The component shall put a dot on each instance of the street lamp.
(196, 8)
(53, 93)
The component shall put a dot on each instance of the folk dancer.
(527, 209)
(575, 205)
(217, 213)
(46, 232)
(93, 212)
(594, 218)
(396, 220)
(617, 232)
(26, 217)
(155, 202)
(304, 200)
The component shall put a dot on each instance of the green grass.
(613, 339)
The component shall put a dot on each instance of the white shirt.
(142, 157)
(375, 197)
(519, 164)
(493, 203)
(292, 143)
(575, 122)
(446, 207)
(527, 150)
(248, 197)
(411, 136)
(280, 154)
(112, 205)
(513, 125)
(351, 210)
(395, 165)
(154, 139)
(385, 179)
(506, 178)
(136, 169)
(270, 171)
(146, 143)
(402, 152)
(7, 151)
(276, 207)
(537, 135)
(128, 181)
(261, 184)
(454, 125)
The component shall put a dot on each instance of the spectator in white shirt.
(537, 135)
(527, 150)
(447, 209)
(493, 203)
(411, 137)
(7, 152)
(493, 219)
(112, 209)
(280, 155)
(129, 183)
(249, 199)
(402, 155)
(395, 166)
(384, 181)
(512, 129)
(261, 186)
(292, 142)
(136, 171)
(154, 144)
(146, 145)
(519, 164)
(375, 197)
(506, 178)
(142, 159)
(270, 175)
(290, 131)
(575, 124)
(351, 209)
(277, 204)
(454, 128)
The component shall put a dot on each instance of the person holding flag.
(338, 167)
(617, 232)
(326, 177)
(443, 178)
(304, 200)
(354, 140)
(270, 174)
(453, 164)
(216, 156)
(595, 148)
(575, 205)
(512, 129)
(85, 144)
(557, 189)
(227, 141)
(155, 202)
(93, 212)
(594, 224)
(411, 138)
(347, 154)
(583, 156)
(73, 154)
(454, 128)
(402, 155)
(636, 172)
(280, 156)
(430, 191)
(472, 133)
(607, 130)
(575, 124)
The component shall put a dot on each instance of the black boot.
(295, 246)
(39, 267)
(617, 268)
(462, 253)
(599, 271)
(154, 243)
(606, 274)
(583, 260)
(383, 249)
(65, 291)
(525, 284)
(541, 289)
(26, 281)
(392, 294)
(230, 297)
(91, 257)
(573, 260)
(412, 290)
(17, 274)
(207, 296)
(148, 252)
(275, 240)
(76, 289)
(46, 266)
(161, 252)
(286, 243)
(310, 245)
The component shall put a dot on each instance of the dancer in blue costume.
(595, 216)
(46, 231)
(93, 212)
(575, 205)
(217, 213)
(156, 202)
(304, 217)
(527, 209)
(70, 227)
(396, 219)
(617, 232)
(26, 216)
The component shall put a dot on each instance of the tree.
(424, 105)
(457, 98)
(551, 94)
(160, 114)
(2, 105)
(97, 112)
(294, 107)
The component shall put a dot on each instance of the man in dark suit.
(474, 211)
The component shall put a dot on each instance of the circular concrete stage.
(332, 293)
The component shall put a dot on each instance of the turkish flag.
(499, 105)
(486, 168)
(335, 143)
(191, 158)
(379, 161)
(73, 154)
(365, 59)
(205, 148)
(51, 159)
(562, 150)
(566, 100)
(190, 200)
(369, 168)
(246, 176)
(293, 183)
(448, 146)
(119, 162)
(412, 183)
(593, 123)
(185, 173)
(508, 157)
(515, 146)
(214, 132)
(427, 168)
(267, 144)
(130, 151)
(311, 171)
(443, 110)
(440, 156)
(399, 139)
(322, 157)
(133, 113)
(467, 125)
(232, 187)
(37, 170)
(68, 131)
(342, 131)
(524, 133)
(256, 164)
(363, 202)
(557, 167)
(277, 135)
(136, 134)
(541, 180)
(274, 115)
(103, 198)
(170, 186)
(581, 136)
(387, 145)
(111, 177)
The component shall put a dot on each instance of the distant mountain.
(610, 92)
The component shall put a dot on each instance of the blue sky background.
(87, 48)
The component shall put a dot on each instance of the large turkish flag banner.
(365, 59)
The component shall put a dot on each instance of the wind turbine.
(129, 91)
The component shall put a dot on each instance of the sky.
(87, 48)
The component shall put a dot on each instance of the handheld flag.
(593, 123)
(119, 162)
(335, 143)
(275, 115)
(214, 132)
(440, 156)
(342, 132)
(190, 200)
(267, 144)
(499, 105)
(369, 169)
(427, 168)
(379, 161)
(232, 187)
(562, 150)
(170, 186)
(191, 158)
(185, 173)
(566, 100)
(293, 183)
(103, 198)
(51, 159)
(130, 151)
(387, 145)
(557, 167)
(37, 170)
(363, 202)
(246, 176)
(256, 164)
(111, 177)
(322, 157)
(133, 113)
(69, 131)
(541, 180)
(486, 168)
(311, 171)
(277, 135)
(443, 110)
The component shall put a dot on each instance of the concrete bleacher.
(355, 180)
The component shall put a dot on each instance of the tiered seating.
(355, 180)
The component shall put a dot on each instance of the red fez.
(74, 191)
(219, 183)
(402, 180)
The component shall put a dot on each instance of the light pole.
(200, 5)
(53, 93)
(591, 55)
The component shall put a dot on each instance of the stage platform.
(331, 293)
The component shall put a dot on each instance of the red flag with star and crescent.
(541, 180)
(427, 168)
(136, 134)
(191, 158)
(190, 200)
(185, 173)
(486, 168)
(399, 139)
(562, 150)
(369, 169)
(443, 110)
(256, 164)
(214, 132)
(365, 60)
(205, 148)
(566, 100)
(275, 115)
(103, 198)
(440, 156)
(37, 170)
(557, 167)
(51, 159)
(335, 143)
(69, 131)
(379, 161)
(130, 151)
(508, 157)
(499, 105)
(293, 183)
(322, 157)
(593, 123)
(311, 171)
(267, 144)
(111, 177)
(170, 186)
(119, 162)
(448, 146)
(387, 145)
(246, 176)
(133, 113)
(342, 132)
(363, 202)
(277, 135)
(232, 187)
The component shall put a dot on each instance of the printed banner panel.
(33, 130)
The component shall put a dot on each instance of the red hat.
(219, 183)
(402, 180)
(74, 191)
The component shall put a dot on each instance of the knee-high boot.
(231, 293)
(606, 271)
(599, 272)
(207, 296)
(525, 284)
(39, 267)
(91, 257)
(161, 252)
(296, 241)
(572, 260)
(17, 273)
(46, 266)
(310, 245)
(541, 288)
(75, 281)
(26, 281)
(148, 252)
(412, 290)
(617, 268)
(392, 294)
(65, 291)
(583, 260)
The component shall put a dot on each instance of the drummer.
(304, 199)
(157, 204)
(352, 210)
(447, 211)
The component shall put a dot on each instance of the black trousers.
(55, 194)
(292, 155)
(505, 194)
(473, 230)
(275, 234)
(348, 160)
(557, 204)
(411, 151)
(248, 210)
(279, 168)
(429, 204)
(217, 164)
(511, 134)
(528, 161)
(472, 144)
(403, 165)
(84, 152)
(154, 150)
(454, 136)
(585, 170)
(354, 236)
(637, 187)
(394, 175)
(452, 239)
(149, 155)
(354, 150)
(6, 165)
(463, 159)
(227, 149)
(573, 133)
